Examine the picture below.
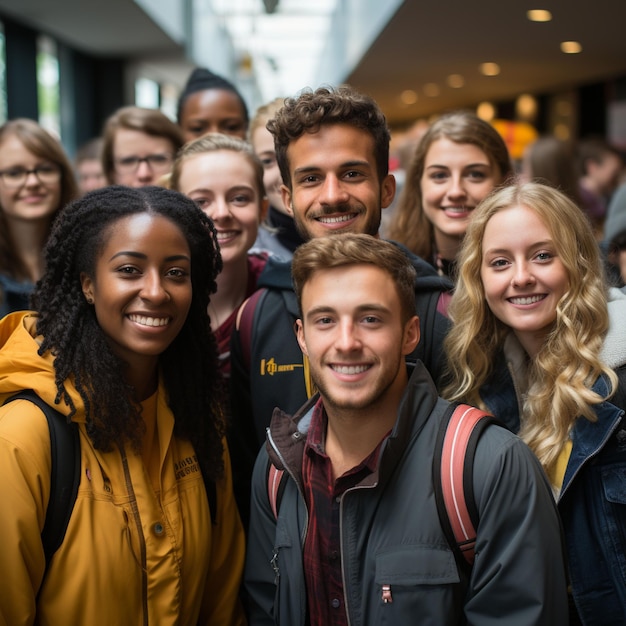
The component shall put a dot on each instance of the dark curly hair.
(189, 366)
(326, 105)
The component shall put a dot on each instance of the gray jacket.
(391, 533)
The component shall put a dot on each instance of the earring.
(89, 300)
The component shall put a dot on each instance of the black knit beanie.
(202, 79)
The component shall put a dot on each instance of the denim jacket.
(592, 501)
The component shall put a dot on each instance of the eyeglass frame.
(122, 168)
(27, 172)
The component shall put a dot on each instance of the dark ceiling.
(423, 44)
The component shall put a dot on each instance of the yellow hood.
(20, 365)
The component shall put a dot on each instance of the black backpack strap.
(453, 472)
(65, 472)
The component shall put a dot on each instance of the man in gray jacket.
(355, 537)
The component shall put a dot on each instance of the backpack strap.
(453, 471)
(65, 472)
(275, 487)
(245, 320)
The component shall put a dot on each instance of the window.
(48, 85)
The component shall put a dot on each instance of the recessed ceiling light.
(456, 81)
(539, 15)
(526, 107)
(486, 111)
(431, 90)
(571, 47)
(408, 96)
(490, 69)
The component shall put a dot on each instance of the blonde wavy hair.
(568, 364)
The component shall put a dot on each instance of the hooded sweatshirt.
(134, 552)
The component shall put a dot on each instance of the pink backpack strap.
(457, 473)
(274, 478)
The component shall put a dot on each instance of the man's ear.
(411, 335)
(300, 336)
(387, 191)
(285, 192)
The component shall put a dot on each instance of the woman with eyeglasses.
(36, 181)
(139, 146)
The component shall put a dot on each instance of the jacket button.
(158, 528)
(335, 603)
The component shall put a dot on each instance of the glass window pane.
(48, 85)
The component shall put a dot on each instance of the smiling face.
(523, 277)
(141, 289)
(263, 144)
(353, 334)
(335, 184)
(212, 111)
(224, 186)
(33, 200)
(457, 176)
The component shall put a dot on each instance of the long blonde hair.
(562, 373)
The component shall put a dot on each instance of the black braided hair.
(189, 366)
(202, 79)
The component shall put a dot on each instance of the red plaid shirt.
(322, 548)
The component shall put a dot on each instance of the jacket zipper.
(274, 560)
(142, 542)
(341, 550)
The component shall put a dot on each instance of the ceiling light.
(490, 69)
(486, 111)
(408, 96)
(456, 81)
(539, 15)
(571, 47)
(431, 90)
(526, 107)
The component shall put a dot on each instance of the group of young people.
(491, 293)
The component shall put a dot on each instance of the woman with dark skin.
(211, 104)
(120, 343)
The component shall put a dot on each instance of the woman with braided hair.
(121, 344)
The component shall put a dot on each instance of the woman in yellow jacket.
(121, 344)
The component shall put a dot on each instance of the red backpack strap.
(453, 476)
(245, 319)
(274, 491)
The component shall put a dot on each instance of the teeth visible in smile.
(149, 321)
(335, 220)
(458, 209)
(226, 234)
(350, 369)
(526, 300)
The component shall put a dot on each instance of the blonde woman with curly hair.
(536, 341)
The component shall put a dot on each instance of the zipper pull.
(387, 599)
(274, 564)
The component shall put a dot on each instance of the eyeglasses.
(130, 164)
(17, 176)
